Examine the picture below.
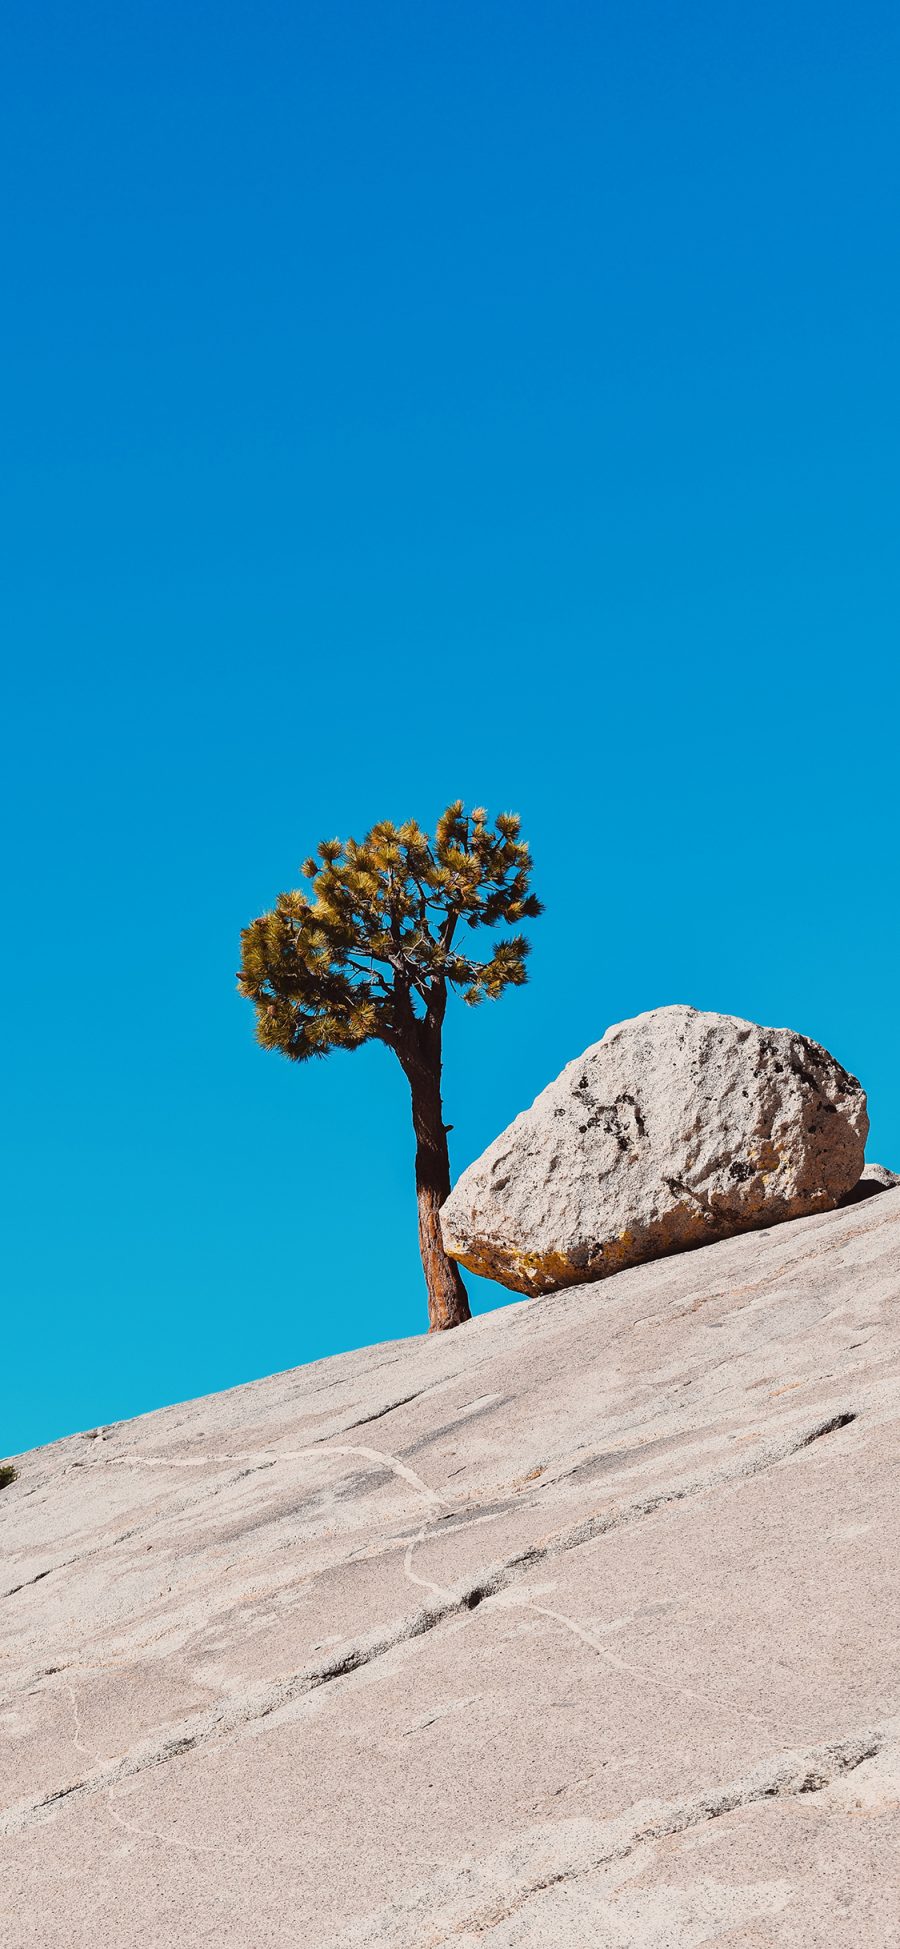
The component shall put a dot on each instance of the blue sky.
(406, 402)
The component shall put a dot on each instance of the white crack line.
(424, 1583)
(515, 1598)
(87, 1751)
(174, 1840)
(130, 1827)
(512, 1597)
(390, 1462)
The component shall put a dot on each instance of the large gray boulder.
(678, 1128)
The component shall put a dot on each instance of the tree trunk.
(448, 1303)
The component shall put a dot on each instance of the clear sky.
(405, 402)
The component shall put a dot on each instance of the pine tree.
(370, 952)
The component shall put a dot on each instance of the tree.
(369, 955)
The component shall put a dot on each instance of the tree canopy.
(376, 941)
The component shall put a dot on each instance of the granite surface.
(577, 1625)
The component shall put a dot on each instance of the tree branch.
(449, 929)
(371, 974)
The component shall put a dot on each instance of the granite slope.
(577, 1625)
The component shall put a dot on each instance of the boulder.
(677, 1128)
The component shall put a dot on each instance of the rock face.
(576, 1626)
(676, 1129)
(875, 1178)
